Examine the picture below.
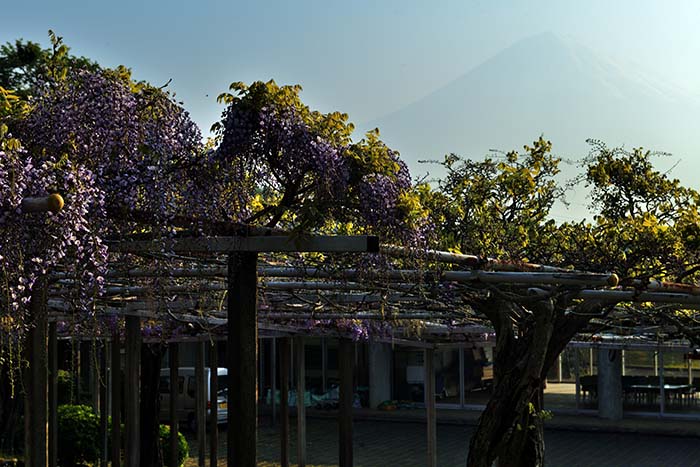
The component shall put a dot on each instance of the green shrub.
(64, 380)
(78, 435)
(183, 449)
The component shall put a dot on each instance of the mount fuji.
(547, 85)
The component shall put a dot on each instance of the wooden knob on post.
(53, 203)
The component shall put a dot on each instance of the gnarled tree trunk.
(510, 432)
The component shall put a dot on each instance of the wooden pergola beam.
(471, 261)
(271, 244)
(509, 277)
(620, 296)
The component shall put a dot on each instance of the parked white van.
(186, 395)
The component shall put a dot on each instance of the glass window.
(447, 376)
(164, 384)
(560, 390)
(679, 388)
(408, 375)
(478, 375)
(640, 381)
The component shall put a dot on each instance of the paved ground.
(390, 443)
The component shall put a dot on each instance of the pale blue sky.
(367, 58)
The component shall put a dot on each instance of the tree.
(497, 207)
(111, 147)
(293, 167)
(25, 65)
(501, 208)
(130, 162)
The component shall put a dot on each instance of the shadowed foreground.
(379, 444)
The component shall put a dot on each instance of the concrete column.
(610, 384)
(379, 373)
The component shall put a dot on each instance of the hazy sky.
(366, 58)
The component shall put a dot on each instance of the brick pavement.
(386, 443)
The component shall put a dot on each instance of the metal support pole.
(690, 371)
(656, 363)
(622, 357)
(559, 369)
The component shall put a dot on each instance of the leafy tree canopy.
(300, 168)
(497, 207)
(25, 65)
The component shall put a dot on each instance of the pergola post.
(346, 354)
(93, 375)
(201, 405)
(662, 390)
(577, 371)
(214, 410)
(174, 363)
(324, 365)
(261, 370)
(242, 358)
(116, 382)
(104, 400)
(285, 364)
(133, 386)
(300, 367)
(53, 395)
(36, 389)
(273, 379)
(462, 387)
(429, 364)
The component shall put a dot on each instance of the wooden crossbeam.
(271, 244)
(507, 277)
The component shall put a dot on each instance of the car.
(186, 396)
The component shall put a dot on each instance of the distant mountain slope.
(551, 86)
